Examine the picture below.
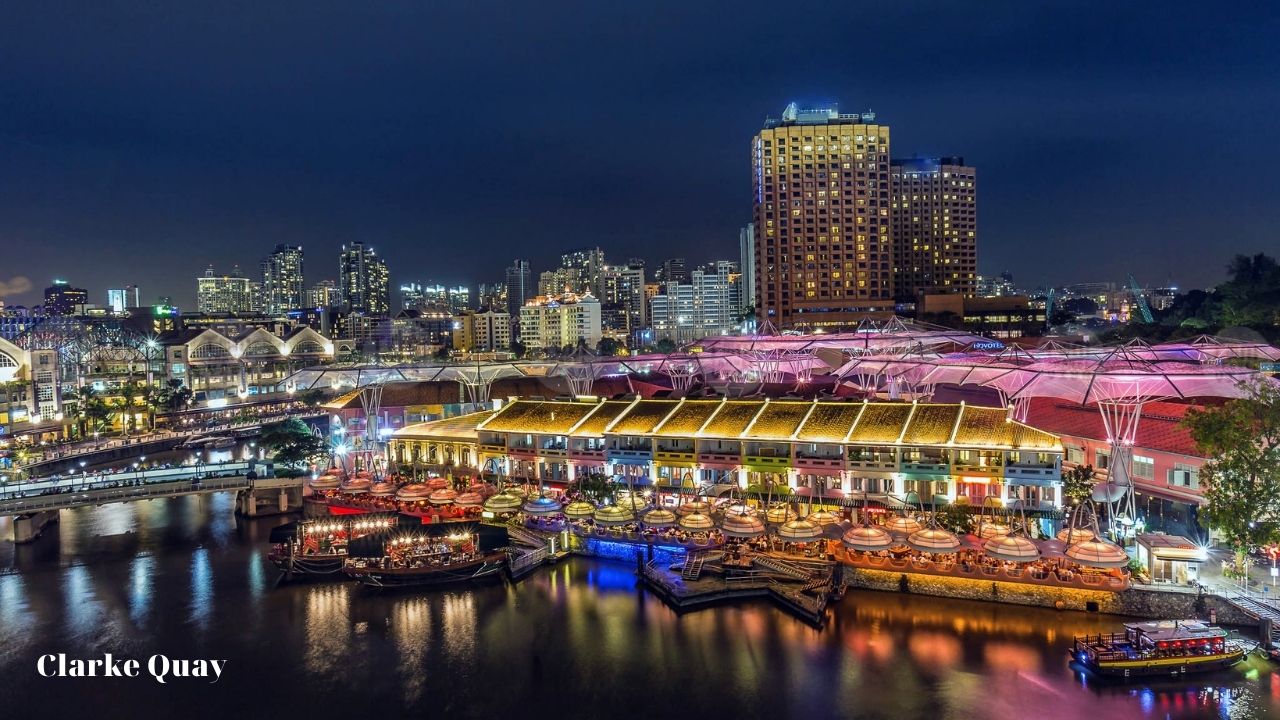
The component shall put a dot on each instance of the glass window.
(1144, 467)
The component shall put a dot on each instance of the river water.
(186, 579)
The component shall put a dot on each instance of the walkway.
(101, 496)
(128, 479)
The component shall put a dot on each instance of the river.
(185, 578)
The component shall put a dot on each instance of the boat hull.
(480, 569)
(308, 566)
(1163, 666)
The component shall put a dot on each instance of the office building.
(233, 293)
(519, 287)
(672, 270)
(62, 299)
(707, 305)
(363, 281)
(121, 299)
(747, 264)
(822, 197)
(482, 331)
(622, 302)
(556, 323)
(283, 288)
(934, 228)
(492, 296)
(459, 298)
(324, 294)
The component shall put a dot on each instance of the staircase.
(525, 537)
(782, 567)
(822, 584)
(1260, 610)
(693, 566)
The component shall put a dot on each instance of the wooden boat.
(318, 548)
(1166, 647)
(428, 555)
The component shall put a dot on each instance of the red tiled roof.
(1159, 429)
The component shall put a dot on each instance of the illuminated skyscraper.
(519, 286)
(935, 228)
(283, 288)
(232, 293)
(822, 199)
(363, 281)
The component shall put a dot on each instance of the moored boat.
(1166, 647)
(428, 555)
(318, 548)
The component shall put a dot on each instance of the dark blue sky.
(140, 143)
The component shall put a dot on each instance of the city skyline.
(1077, 165)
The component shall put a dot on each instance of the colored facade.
(891, 452)
(935, 227)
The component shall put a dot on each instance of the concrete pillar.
(742, 477)
(570, 469)
(26, 528)
(653, 472)
(283, 500)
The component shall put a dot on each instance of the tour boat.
(428, 555)
(1166, 647)
(318, 548)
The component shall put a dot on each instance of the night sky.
(141, 143)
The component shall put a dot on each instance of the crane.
(1141, 300)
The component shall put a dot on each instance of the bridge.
(35, 505)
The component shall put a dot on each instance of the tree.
(597, 487)
(607, 347)
(1241, 477)
(666, 346)
(291, 442)
(1078, 482)
(312, 397)
(956, 518)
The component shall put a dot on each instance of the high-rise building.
(412, 297)
(673, 270)
(232, 293)
(747, 264)
(706, 305)
(492, 296)
(363, 281)
(459, 298)
(324, 294)
(622, 301)
(552, 283)
(483, 331)
(821, 215)
(283, 288)
(62, 299)
(121, 299)
(589, 264)
(934, 228)
(557, 323)
(519, 286)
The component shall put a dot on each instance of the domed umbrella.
(658, 517)
(579, 510)
(517, 491)
(742, 525)
(988, 530)
(1072, 536)
(823, 517)
(469, 499)
(443, 496)
(799, 530)
(867, 539)
(437, 483)
(357, 485)
(740, 509)
(543, 505)
(1098, 553)
(933, 540)
(612, 515)
(634, 503)
(903, 526)
(382, 489)
(503, 502)
(697, 521)
(324, 482)
(693, 506)
(779, 514)
(1012, 548)
(412, 492)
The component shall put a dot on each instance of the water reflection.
(576, 640)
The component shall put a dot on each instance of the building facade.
(62, 299)
(934, 227)
(707, 305)
(519, 287)
(555, 323)
(324, 294)
(283, 286)
(622, 301)
(822, 198)
(363, 281)
(482, 331)
(232, 293)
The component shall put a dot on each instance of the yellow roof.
(732, 419)
(461, 427)
(688, 418)
(606, 412)
(829, 422)
(875, 423)
(778, 420)
(642, 418)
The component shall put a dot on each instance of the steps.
(1260, 610)
(525, 537)
(693, 566)
(782, 567)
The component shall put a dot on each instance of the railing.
(62, 501)
(529, 559)
(985, 572)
